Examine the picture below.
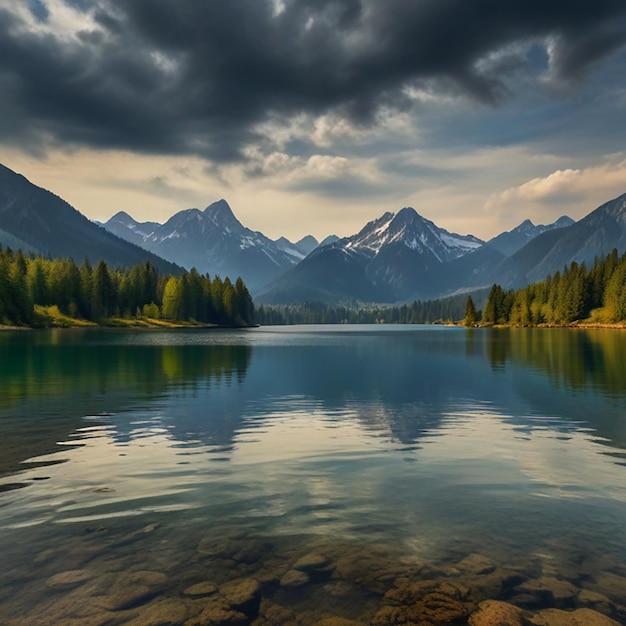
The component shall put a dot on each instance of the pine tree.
(245, 306)
(173, 299)
(102, 292)
(494, 308)
(470, 313)
(615, 294)
(217, 289)
(37, 282)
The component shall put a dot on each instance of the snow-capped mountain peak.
(126, 227)
(409, 228)
(212, 240)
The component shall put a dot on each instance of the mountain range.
(390, 259)
(593, 236)
(397, 257)
(404, 257)
(214, 241)
(511, 241)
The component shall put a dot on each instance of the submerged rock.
(580, 617)
(294, 579)
(476, 565)
(311, 562)
(243, 595)
(428, 602)
(372, 570)
(495, 613)
(162, 612)
(103, 619)
(273, 614)
(235, 603)
(493, 584)
(131, 589)
(546, 591)
(237, 549)
(432, 609)
(216, 614)
(66, 580)
(200, 590)
(595, 600)
(613, 586)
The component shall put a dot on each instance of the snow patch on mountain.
(415, 232)
(213, 240)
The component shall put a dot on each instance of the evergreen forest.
(596, 295)
(444, 310)
(31, 285)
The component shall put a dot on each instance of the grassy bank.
(51, 317)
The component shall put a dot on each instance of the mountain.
(328, 240)
(295, 249)
(38, 221)
(488, 264)
(593, 236)
(510, 242)
(307, 244)
(303, 247)
(404, 256)
(213, 241)
(396, 257)
(125, 227)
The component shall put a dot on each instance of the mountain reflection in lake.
(380, 474)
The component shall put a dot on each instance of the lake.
(377, 474)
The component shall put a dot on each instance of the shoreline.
(146, 327)
(572, 326)
(120, 324)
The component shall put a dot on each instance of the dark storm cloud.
(197, 76)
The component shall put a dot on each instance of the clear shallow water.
(219, 456)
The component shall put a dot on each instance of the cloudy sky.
(315, 116)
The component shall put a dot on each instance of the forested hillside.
(98, 293)
(417, 312)
(597, 294)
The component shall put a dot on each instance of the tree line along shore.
(38, 292)
(577, 295)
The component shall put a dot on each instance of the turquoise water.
(227, 455)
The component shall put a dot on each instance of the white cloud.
(606, 177)
(63, 21)
(281, 170)
(425, 94)
(332, 130)
(278, 7)
(576, 191)
(329, 128)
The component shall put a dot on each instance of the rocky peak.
(222, 215)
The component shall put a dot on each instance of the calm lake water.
(290, 474)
